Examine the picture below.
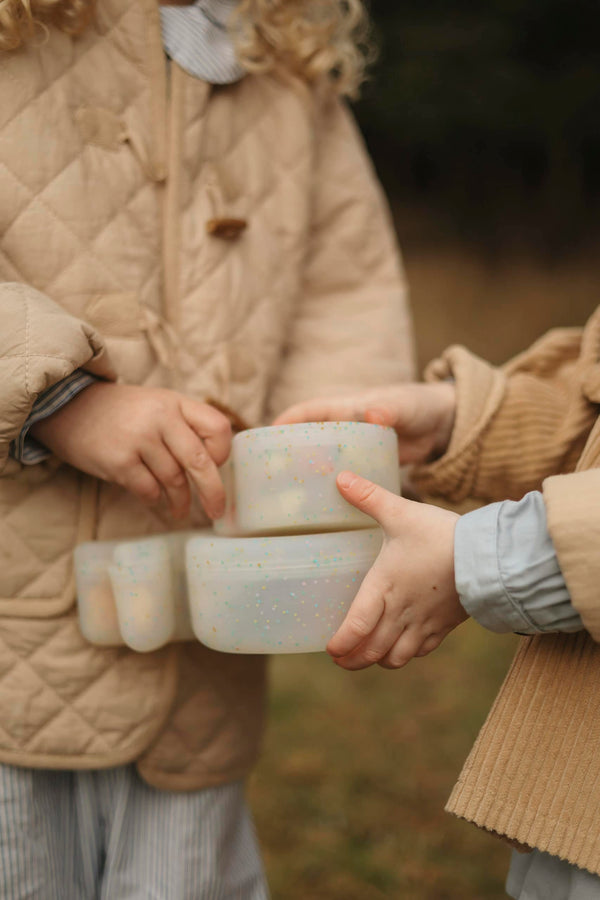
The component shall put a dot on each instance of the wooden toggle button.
(228, 229)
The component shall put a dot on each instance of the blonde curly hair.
(319, 40)
(316, 39)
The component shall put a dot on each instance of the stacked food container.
(275, 575)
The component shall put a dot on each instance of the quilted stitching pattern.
(82, 223)
(54, 241)
(31, 667)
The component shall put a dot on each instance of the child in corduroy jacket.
(526, 435)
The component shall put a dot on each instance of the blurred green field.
(349, 794)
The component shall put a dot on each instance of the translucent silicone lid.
(227, 557)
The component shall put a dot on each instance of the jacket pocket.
(44, 512)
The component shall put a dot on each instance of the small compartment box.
(275, 594)
(97, 609)
(281, 479)
(133, 592)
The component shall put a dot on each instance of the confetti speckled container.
(285, 476)
(143, 587)
(133, 592)
(98, 618)
(275, 594)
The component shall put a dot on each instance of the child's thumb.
(371, 499)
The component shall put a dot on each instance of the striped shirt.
(25, 448)
(196, 37)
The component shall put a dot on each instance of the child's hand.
(148, 440)
(422, 414)
(407, 603)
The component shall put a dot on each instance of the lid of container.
(288, 553)
(312, 433)
(147, 550)
(93, 557)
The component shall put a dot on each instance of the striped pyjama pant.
(107, 835)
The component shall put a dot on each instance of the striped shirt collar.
(196, 38)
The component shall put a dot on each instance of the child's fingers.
(321, 409)
(407, 646)
(159, 459)
(191, 454)
(211, 426)
(377, 644)
(375, 501)
(431, 643)
(393, 413)
(379, 416)
(362, 618)
(141, 482)
(371, 650)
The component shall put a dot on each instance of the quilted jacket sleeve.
(40, 344)
(352, 327)
(518, 424)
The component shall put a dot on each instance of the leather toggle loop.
(161, 336)
(226, 228)
(238, 423)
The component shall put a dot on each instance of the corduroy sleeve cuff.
(479, 391)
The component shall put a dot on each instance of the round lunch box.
(275, 594)
(281, 479)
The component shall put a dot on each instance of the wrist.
(45, 428)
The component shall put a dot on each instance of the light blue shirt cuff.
(506, 569)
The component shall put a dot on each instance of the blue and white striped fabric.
(539, 876)
(196, 38)
(26, 449)
(107, 835)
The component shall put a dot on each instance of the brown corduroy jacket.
(533, 775)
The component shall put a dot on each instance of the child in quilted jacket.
(186, 213)
(526, 435)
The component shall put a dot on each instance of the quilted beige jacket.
(534, 774)
(111, 169)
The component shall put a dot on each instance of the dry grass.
(350, 791)
(496, 306)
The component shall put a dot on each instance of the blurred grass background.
(349, 794)
(483, 120)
